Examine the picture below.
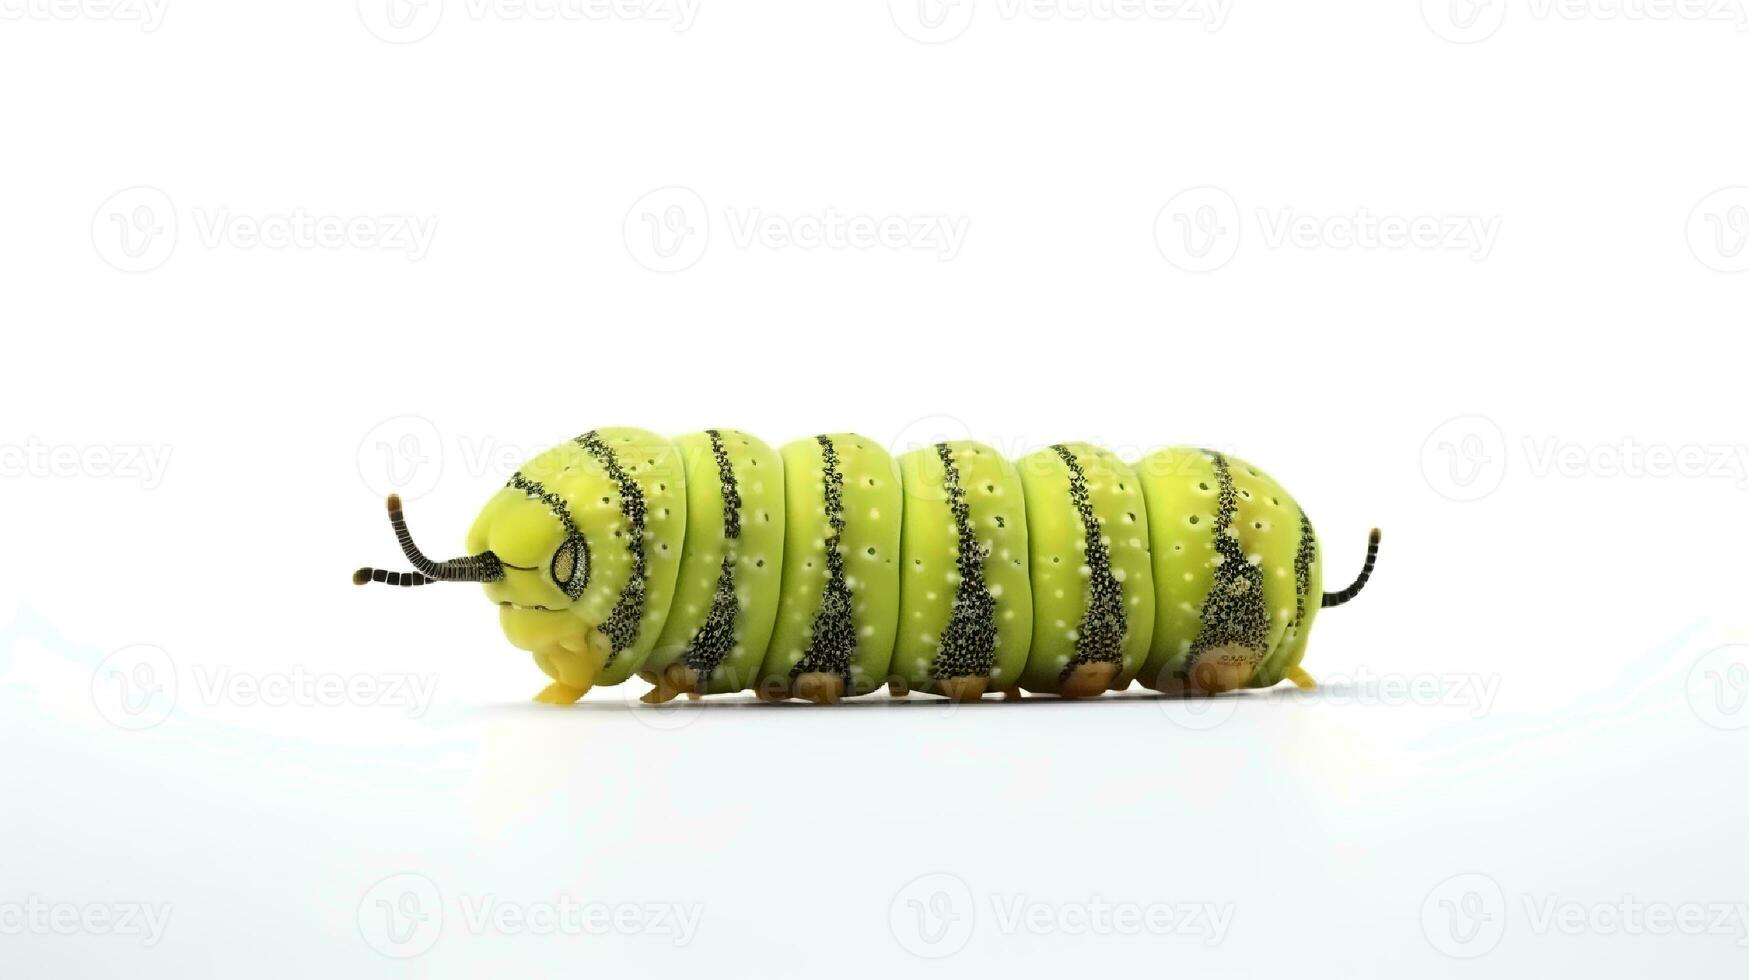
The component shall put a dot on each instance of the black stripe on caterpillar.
(712, 563)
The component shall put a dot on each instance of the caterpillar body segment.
(965, 594)
(712, 564)
(731, 569)
(1236, 573)
(1092, 587)
(840, 604)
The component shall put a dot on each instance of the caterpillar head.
(534, 562)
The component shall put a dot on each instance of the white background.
(1472, 274)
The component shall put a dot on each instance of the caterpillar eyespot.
(713, 564)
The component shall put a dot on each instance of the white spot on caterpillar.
(1118, 574)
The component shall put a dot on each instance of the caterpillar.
(713, 564)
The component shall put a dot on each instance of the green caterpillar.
(712, 564)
